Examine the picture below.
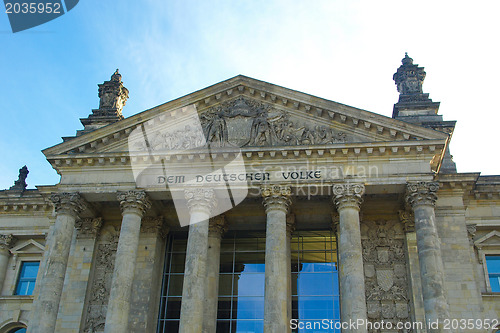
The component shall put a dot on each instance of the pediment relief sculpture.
(244, 122)
(237, 123)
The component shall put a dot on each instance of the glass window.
(493, 266)
(173, 280)
(27, 277)
(315, 285)
(241, 283)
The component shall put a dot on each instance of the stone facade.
(413, 236)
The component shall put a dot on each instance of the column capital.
(6, 241)
(88, 228)
(421, 193)
(68, 203)
(200, 199)
(408, 219)
(154, 225)
(217, 226)
(134, 201)
(277, 197)
(348, 195)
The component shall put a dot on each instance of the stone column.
(290, 227)
(277, 203)
(348, 199)
(421, 196)
(216, 228)
(46, 305)
(200, 203)
(5, 244)
(133, 205)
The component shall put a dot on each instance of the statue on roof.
(20, 183)
(409, 78)
(113, 95)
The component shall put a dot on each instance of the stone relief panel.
(243, 122)
(240, 123)
(98, 296)
(386, 280)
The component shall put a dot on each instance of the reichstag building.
(249, 207)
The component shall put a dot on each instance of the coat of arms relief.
(237, 123)
(386, 282)
(243, 122)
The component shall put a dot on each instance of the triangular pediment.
(491, 239)
(28, 247)
(248, 113)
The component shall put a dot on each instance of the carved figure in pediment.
(262, 132)
(327, 135)
(216, 131)
(287, 134)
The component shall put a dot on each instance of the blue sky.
(339, 50)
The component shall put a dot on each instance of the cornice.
(25, 205)
(404, 149)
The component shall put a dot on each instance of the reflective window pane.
(173, 278)
(493, 264)
(27, 277)
(241, 284)
(246, 326)
(316, 307)
(248, 308)
(249, 285)
(495, 283)
(315, 286)
(309, 284)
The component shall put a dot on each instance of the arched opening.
(18, 330)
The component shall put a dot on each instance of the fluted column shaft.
(216, 228)
(421, 196)
(46, 305)
(5, 244)
(201, 203)
(277, 203)
(133, 205)
(348, 199)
